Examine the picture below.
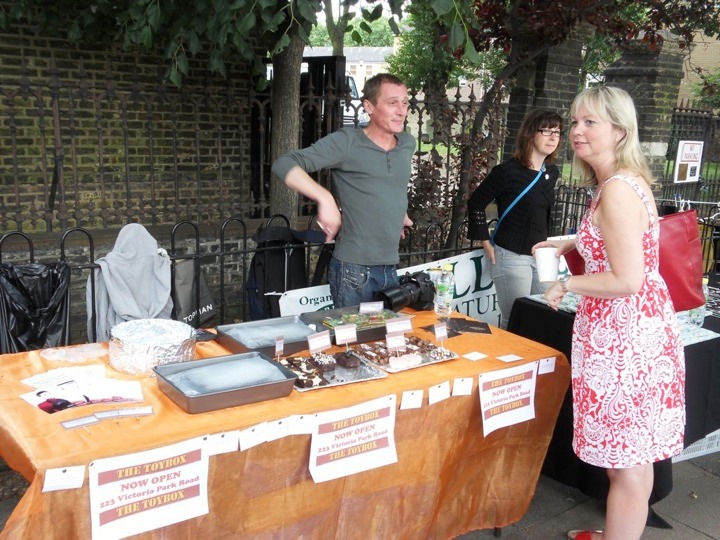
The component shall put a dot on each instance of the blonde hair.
(613, 105)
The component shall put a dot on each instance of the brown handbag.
(680, 259)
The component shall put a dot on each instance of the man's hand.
(329, 219)
(407, 222)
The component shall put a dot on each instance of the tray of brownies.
(323, 370)
(419, 352)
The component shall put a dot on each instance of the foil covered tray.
(370, 327)
(224, 381)
(305, 372)
(419, 353)
(260, 335)
(137, 346)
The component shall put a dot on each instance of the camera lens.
(400, 296)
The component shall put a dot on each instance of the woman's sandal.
(582, 534)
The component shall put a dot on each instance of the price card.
(279, 345)
(441, 331)
(400, 324)
(221, 443)
(319, 342)
(64, 478)
(346, 333)
(371, 307)
(395, 342)
(412, 399)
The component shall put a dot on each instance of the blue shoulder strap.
(510, 207)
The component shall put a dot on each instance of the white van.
(355, 108)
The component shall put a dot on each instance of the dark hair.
(535, 120)
(373, 84)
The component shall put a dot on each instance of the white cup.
(547, 263)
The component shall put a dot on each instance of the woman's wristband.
(563, 282)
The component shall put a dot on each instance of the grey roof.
(353, 54)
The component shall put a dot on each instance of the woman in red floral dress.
(628, 366)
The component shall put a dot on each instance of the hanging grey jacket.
(133, 282)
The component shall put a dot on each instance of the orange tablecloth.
(449, 479)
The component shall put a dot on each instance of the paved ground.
(692, 508)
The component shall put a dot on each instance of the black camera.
(415, 290)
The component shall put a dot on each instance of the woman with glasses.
(523, 188)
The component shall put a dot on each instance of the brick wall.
(118, 144)
(652, 78)
(552, 84)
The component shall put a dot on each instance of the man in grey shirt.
(370, 172)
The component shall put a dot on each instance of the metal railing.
(225, 262)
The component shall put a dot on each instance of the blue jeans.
(351, 284)
(514, 276)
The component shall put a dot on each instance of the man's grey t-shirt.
(371, 188)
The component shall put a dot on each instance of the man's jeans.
(514, 276)
(351, 284)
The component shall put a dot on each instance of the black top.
(529, 220)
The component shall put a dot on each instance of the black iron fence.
(225, 262)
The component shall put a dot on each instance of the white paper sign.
(438, 392)
(371, 307)
(140, 492)
(345, 333)
(399, 324)
(355, 439)
(319, 342)
(462, 386)
(688, 161)
(221, 443)
(253, 436)
(507, 396)
(395, 342)
(412, 399)
(64, 478)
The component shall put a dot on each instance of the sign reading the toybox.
(353, 440)
(507, 396)
(140, 492)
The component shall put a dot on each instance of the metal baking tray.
(371, 333)
(224, 381)
(260, 335)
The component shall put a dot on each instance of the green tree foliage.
(421, 59)
(219, 30)
(374, 34)
(526, 29)
(708, 92)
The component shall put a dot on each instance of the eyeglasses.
(550, 132)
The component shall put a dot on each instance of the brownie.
(348, 359)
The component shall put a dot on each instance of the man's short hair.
(373, 84)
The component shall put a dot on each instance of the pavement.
(692, 508)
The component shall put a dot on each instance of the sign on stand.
(687, 161)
